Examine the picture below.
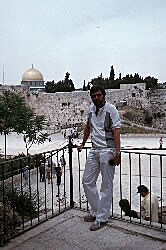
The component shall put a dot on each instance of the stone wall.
(70, 108)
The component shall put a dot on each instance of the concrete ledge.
(69, 231)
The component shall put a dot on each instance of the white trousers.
(98, 161)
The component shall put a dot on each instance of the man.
(104, 126)
(48, 173)
(58, 174)
(161, 142)
(63, 161)
(148, 212)
(41, 169)
(25, 175)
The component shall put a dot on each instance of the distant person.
(48, 173)
(126, 208)
(58, 174)
(25, 175)
(63, 161)
(161, 142)
(41, 170)
(146, 208)
(53, 169)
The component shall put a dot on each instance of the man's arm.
(147, 209)
(116, 134)
(85, 137)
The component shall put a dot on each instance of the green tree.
(148, 118)
(112, 74)
(65, 85)
(33, 133)
(50, 87)
(84, 86)
(14, 114)
(151, 82)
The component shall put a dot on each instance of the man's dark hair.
(142, 189)
(125, 205)
(97, 88)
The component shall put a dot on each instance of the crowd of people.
(48, 171)
(52, 169)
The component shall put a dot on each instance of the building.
(33, 79)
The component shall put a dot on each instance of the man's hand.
(147, 218)
(79, 148)
(117, 159)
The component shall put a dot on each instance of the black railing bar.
(86, 155)
(11, 160)
(37, 183)
(59, 201)
(4, 203)
(130, 178)
(161, 174)
(13, 201)
(79, 178)
(64, 186)
(23, 158)
(120, 177)
(71, 172)
(52, 193)
(132, 148)
(33, 155)
(59, 207)
(30, 193)
(140, 184)
(150, 189)
(58, 187)
(22, 198)
(45, 189)
(57, 156)
(66, 146)
(124, 151)
(142, 153)
(57, 150)
(142, 148)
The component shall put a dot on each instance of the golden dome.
(32, 75)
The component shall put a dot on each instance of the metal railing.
(138, 167)
(26, 200)
(29, 195)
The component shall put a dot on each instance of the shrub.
(15, 205)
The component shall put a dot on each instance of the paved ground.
(68, 231)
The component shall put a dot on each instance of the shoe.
(89, 218)
(98, 225)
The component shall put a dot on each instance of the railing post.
(71, 172)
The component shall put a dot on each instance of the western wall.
(70, 108)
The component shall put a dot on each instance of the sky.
(82, 37)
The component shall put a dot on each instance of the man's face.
(143, 194)
(98, 99)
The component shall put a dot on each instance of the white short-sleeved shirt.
(102, 125)
(145, 207)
